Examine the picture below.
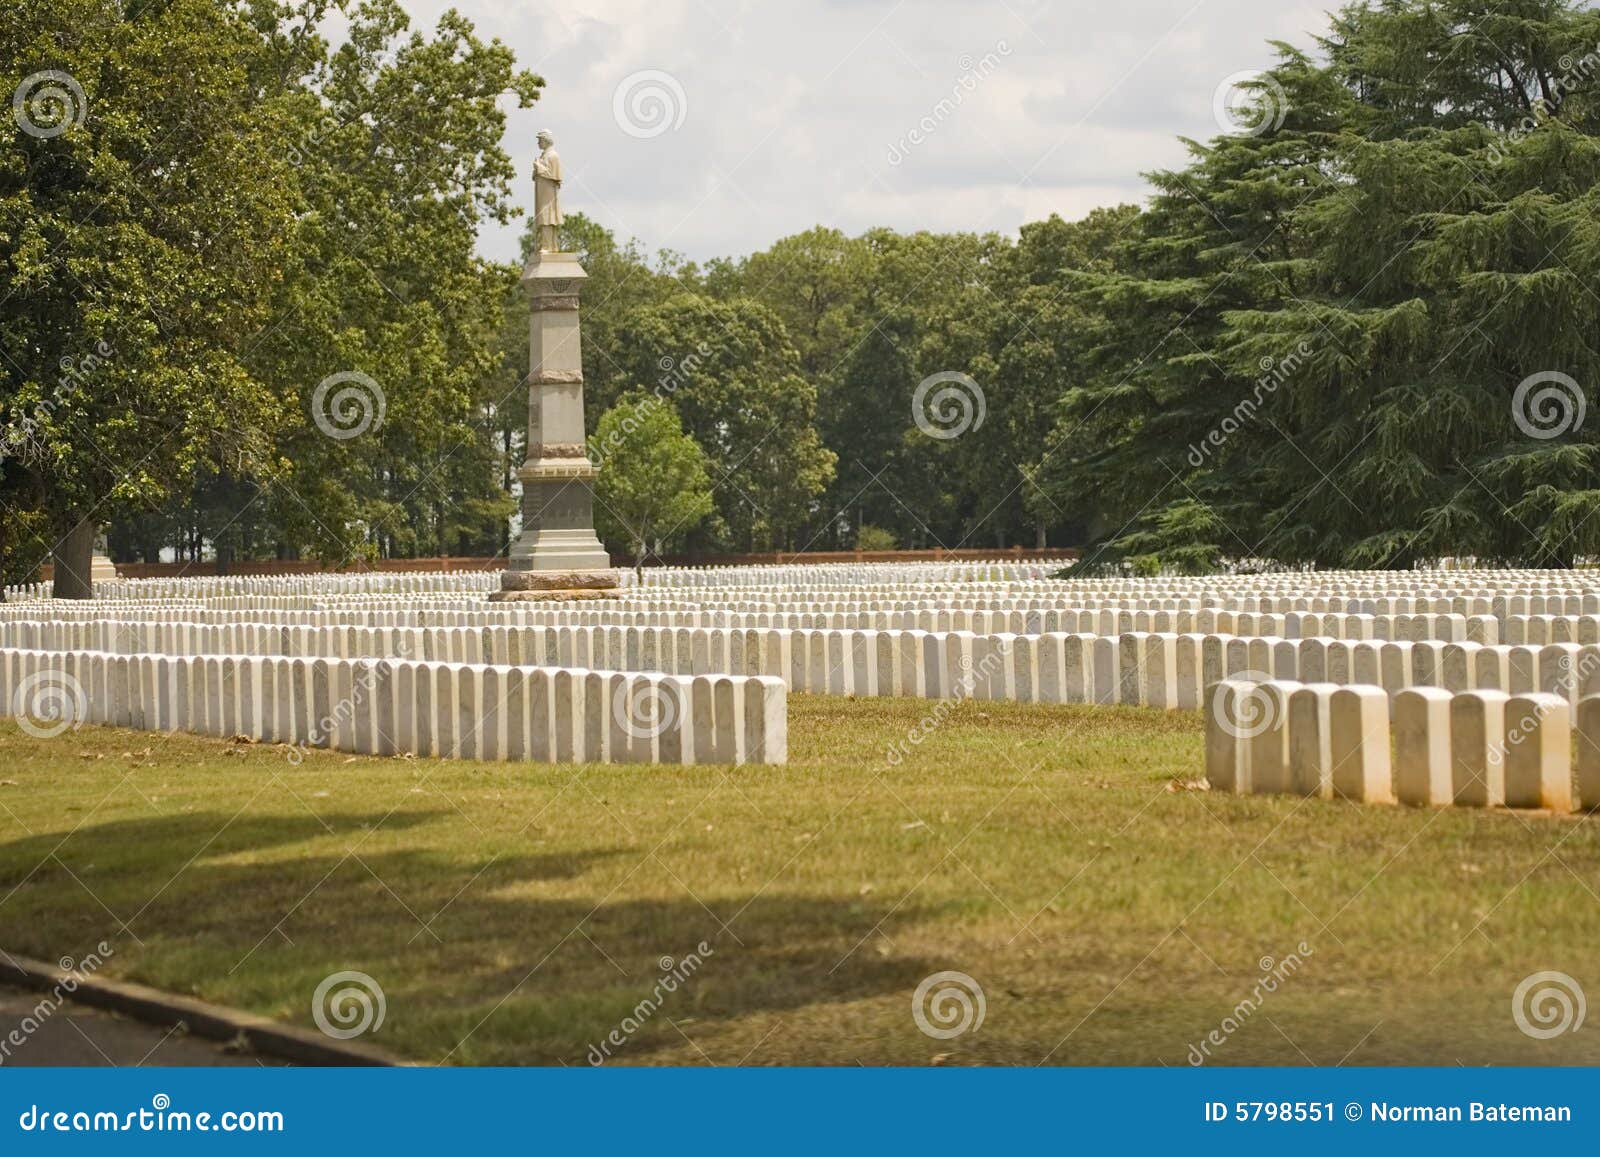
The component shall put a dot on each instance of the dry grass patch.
(1060, 856)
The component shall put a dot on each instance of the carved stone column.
(557, 555)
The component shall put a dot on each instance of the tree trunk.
(1039, 535)
(73, 557)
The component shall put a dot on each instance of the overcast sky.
(714, 127)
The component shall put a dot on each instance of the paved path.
(77, 1035)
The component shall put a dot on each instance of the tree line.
(243, 316)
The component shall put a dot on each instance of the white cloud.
(792, 110)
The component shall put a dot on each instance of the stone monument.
(557, 555)
(101, 568)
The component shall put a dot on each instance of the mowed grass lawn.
(1061, 857)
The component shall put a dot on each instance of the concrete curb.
(212, 1021)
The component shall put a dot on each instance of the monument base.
(549, 586)
(558, 580)
(560, 596)
(102, 569)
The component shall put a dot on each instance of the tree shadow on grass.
(482, 956)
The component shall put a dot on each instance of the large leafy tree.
(818, 283)
(1317, 334)
(735, 380)
(383, 293)
(1217, 237)
(1046, 337)
(277, 255)
(1468, 277)
(871, 317)
(141, 226)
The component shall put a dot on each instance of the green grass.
(1059, 856)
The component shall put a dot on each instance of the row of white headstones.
(1425, 746)
(1440, 654)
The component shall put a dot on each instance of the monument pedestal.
(557, 554)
